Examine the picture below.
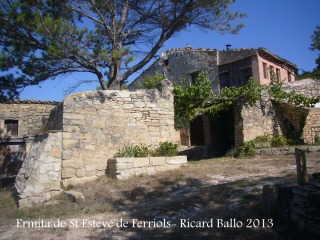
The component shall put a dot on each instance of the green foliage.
(47, 39)
(316, 45)
(279, 95)
(166, 149)
(317, 139)
(280, 141)
(141, 150)
(191, 101)
(150, 82)
(263, 138)
(246, 150)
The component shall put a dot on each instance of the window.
(12, 127)
(278, 74)
(289, 76)
(265, 70)
(194, 77)
(271, 71)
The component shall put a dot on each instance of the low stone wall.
(299, 204)
(123, 168)
(305, 208)
(312, 126)
(40, 175)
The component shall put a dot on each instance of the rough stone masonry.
(91, 127)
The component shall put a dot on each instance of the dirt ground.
(208, 199)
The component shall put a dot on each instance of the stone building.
(232, 67)
(20, 121)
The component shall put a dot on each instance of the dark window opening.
(194, 77)
(166, 62)
(265, 70)
(289, 76)
(278, 74)
(196, 132)
(12, 127)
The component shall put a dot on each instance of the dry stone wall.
(40, 175)
(307, 87)
(97, 124)
(311, 129)
(31, 116)
(275, 119)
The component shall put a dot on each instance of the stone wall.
(305, 208)
(40, 175)
(96, 124)
(183, 62)
(253, 121)
(275, 119)
(312, 126)
(123, 168)
(31, 116)
(307, 87)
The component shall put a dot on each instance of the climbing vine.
(199, 98)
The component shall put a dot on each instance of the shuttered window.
(12, 127)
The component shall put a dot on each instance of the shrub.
(279, 141)
(141, 150)
(317, 139)
(263, 138)
(246, 150)
(166, 149)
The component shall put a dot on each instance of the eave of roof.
(275, 56)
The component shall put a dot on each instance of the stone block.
(69, 143)
(98, 123)
(173, 167)
(157, 161)
(90, 168)
(67, 173)
(80, 172)
(176, 160)
(141, 162)
(128, 106)
(121, 166)
(139, 104)
(161, 168)
(45, 167)
(56, 152)
(55, 186)
(124, 160)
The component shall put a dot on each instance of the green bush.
(246, 150)
(279, 141)
(263, 138)
(141, 150)
(166, 149)
(317, 139)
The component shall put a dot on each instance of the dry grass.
(199, 191)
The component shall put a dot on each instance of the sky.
(284, 27)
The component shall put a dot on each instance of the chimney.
(228, 46)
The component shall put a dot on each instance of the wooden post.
(302, 175)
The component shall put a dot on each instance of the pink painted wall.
(258, 73)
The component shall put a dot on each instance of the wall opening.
(222, 133)
(11, 127)
(196, 132)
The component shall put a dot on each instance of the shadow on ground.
(167, 210)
